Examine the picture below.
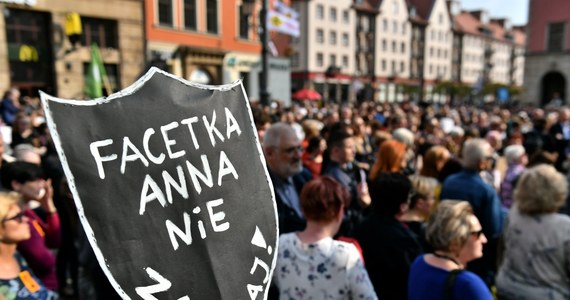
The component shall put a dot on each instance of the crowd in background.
(375, 201)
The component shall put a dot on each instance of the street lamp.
(264, 95)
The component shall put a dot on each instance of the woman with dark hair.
(313, 156)
(434, 160)
(310, 264)
(387, 244)
(457, 238)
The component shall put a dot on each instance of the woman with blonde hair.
(457, 238)
(420, 206)
(536, 260)
(390, 158)
(17, 280)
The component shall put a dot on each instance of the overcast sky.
(515, 10)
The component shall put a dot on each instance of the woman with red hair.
(310, 264)
(390, 158)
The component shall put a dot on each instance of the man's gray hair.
(474, 151)
(513, 153)
(275, 133)
(404, 136)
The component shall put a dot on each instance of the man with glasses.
(468, 185)
(283, 151)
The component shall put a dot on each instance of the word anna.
(131, 153)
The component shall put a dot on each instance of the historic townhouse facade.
(214, 42)
(402, 47)
(36, 52)
(393, 39)
(324, 55)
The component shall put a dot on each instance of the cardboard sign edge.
(45, 98)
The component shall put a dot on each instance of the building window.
(165, 12)
(365, 24)
(402, 67)
(385, 25)
(190, 14)
(333, 14)
(295, 60)
(320, 62)
(345, 61)
(345, 39)
(404, 26)
(430, 69)
(403, 47)
(430, 52)
(100, 31)
(320, 36)
(393, 67)
(383, 65)
(345, 16)
(332, 38)
(556, 36)
(244, 22)
(395, 27)
(440, 18)
(212, 16)
(394, 47)
(320, 12)
(384, 45)
(395, 7)
(332, 60)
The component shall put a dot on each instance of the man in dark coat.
(388, 246)
(283, 151)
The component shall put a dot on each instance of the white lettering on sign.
(151, 190)
(157, 160)
(131, 153)
(94, 148)
(175, 233)
(211, 128)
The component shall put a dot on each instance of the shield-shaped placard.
(171, 187)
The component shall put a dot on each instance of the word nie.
(186, 235)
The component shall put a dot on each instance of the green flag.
(95, 75)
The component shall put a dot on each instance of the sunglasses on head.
(18, 217)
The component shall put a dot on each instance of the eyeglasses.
(477, 234)
(19, 217)
(292, 150)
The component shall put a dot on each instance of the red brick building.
(547, 68)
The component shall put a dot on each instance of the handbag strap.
(449, 282)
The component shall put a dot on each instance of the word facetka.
(132, 153)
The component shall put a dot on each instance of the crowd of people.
(374, 200)
(439, 200)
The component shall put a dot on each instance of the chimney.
(481, 15)
(453, 7)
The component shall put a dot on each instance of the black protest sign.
(171, 187)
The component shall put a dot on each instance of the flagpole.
(264, 95)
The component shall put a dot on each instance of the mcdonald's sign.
(28, 53)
